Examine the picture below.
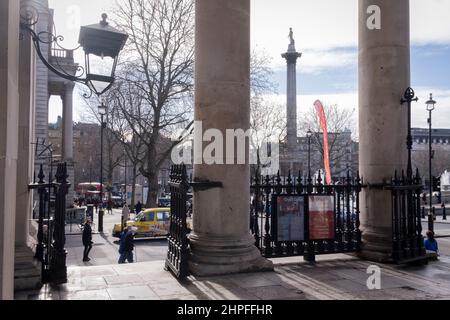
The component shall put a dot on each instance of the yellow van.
(149, 223)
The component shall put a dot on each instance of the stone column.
(9, 112)
(42, 87)
(67, 137)
(291, 57)
(25, 163)
(67, 128)
(221, 242)
(384, 75)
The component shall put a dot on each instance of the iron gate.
(177, 255)
(50, 249)
(345, 191)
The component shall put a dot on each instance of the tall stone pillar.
(25, 163)
(42, 87)
(67, 137)
(291, 57)
(9, 112)
(384, 75)
(221, 242)
(67, 128)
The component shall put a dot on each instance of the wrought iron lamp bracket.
(38, 39)
(29, 17)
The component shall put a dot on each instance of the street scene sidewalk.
(105, 248)
(333, 277)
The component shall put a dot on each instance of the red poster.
(321, 218)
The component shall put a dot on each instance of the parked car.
(118, 202)
(164, 202)
(149, 223)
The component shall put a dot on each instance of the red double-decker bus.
(90, 190)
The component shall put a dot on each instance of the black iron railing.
(50, 249)
(407, 239)
(177, 255)
(345, 192)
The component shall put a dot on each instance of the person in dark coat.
(87, 239)
(109, 206)
(138, 207)
(96, 205)
(127, 246)
(122, 246)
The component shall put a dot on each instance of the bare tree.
(440, 161)
(268, 124)
(340, 125)
(267, 117)
(125, 102)
(160, 54)
(261, 74)
(113, 156)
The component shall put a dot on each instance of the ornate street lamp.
(101, 44)
(408, 97)
(430, 107)
(102, 111)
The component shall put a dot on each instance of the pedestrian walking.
(109, 206)
(87, 239)
(138, 207)
(125, 214)
(126, 246)
(96, 205)
(122, 246)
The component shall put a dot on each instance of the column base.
(211, 256)
(377, 245)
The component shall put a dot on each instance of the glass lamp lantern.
(431, 103)
(101, 44)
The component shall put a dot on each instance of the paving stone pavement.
(334, 277)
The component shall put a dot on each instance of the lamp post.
(90, 170)
(126, 166)
(102, 112)
(409, 97)
(430, 107)
(309, 135)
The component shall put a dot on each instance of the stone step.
(27, 270)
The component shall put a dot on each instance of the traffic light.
(436, 184)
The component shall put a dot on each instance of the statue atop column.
(291, 37)
(291, 47)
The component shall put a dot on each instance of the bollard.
(423, 212)
(431, 218)
(444, 214)
(100, 220)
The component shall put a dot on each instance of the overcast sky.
(326, 33)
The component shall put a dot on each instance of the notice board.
(321, 217)
(289, 218)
